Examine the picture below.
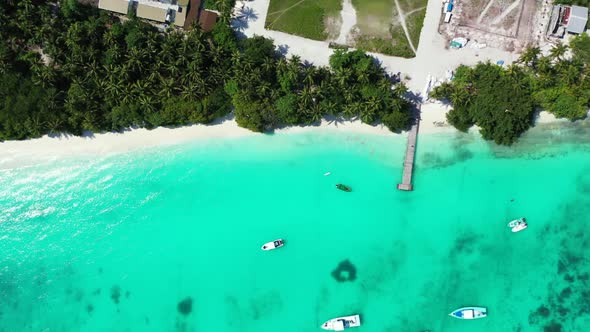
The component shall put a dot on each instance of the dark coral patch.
(565, 293)
(562, 311)
(185, 306)
(345, 271)
(543, 311)
(552, 327)
(116, 294)
(89, 308)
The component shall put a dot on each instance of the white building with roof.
(577, 20)
(163, 11)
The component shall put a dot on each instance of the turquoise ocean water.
(116, 243)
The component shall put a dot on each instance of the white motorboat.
(273, 244)
(327, 173)
(518, 225)
(342, 323)
(470, 313)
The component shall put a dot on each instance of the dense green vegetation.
(309, 19)
(583, 3)
(72, 68)
(222, 6)
(501, 101)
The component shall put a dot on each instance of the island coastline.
(53, 147)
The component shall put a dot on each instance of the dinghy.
(342, 323)
(518, 225)
(344, 187)
(273, 244)
(470, 313)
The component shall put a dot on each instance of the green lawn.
(305, 18)
(379, 27)
(377, 30)
(374, 17)
(415, 20)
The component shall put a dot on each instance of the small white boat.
(470, 313)
(518, 225)
(273, 244)
(327, 173)
(342, 323)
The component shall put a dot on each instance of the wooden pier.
(406, 184)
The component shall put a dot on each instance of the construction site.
(510, 25)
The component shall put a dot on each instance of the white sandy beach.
(22, 153)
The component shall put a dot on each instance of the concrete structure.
(577, 20)
(117, 6)
(406, 184)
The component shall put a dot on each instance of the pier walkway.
(406, 184)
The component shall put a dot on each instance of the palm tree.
(263, 88)
(558, 51)
(306, 96)
(168, 87)
(343, 76)
(54, 123)
(544, 65)
(570, 75)
(114, 88)
(460, 96)
(367, 115)
(45, 77)
(530, 56)
(315, 113)
(268, 65)
(146, 103)
(352, 110)
(135, 59)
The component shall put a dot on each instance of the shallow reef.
(116, 294)
(345, 271)
(185, 306)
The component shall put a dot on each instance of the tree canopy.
(69, 67)
(501, 100)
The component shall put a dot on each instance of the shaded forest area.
(72, 68)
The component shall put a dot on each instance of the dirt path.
(283, 12)
(348, 15)
(485, 10)
(505, 13)
(413, 11)
(402, 21)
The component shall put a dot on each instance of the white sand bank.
(23, 153)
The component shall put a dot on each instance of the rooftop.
(577, 20)
(193, 14)
(150, 12)
(207, 20)
(118, 6)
